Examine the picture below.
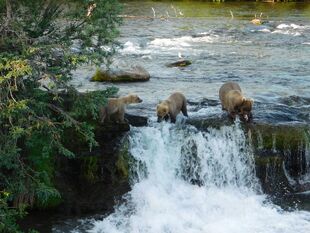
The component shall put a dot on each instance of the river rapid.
(184, 180)
(270, 61)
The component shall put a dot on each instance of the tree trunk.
(8, 13)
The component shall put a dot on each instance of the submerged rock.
(180, 63)
(135, 74)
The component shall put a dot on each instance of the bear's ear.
(251, 101)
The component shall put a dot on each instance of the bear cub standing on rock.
(171, 107)
(115, 108)
(234, 102)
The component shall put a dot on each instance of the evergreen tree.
(41, 42)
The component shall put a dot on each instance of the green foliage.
(41, 42)
(89, 102)
(8, 214)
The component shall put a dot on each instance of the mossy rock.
(122, 162)
(279, 137)
(288, 142)
(136, 74)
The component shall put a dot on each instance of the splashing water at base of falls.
(186, 181)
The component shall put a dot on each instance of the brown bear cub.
(234, 102)
(115, 108)
(171, 107)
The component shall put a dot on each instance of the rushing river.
(270, 61)
(184, 180)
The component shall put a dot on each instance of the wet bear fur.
(115, 109)
(171, 107)
(233, 101)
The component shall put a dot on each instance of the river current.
(271, 61)
(184, 180)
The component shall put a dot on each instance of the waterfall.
(187, 181)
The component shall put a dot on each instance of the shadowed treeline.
(267, 1)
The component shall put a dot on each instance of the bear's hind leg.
(184, 110)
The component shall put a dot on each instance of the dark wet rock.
(134, 74)
(271, 173)
(109, 128)
(291, 142)
(210, 122)
(136, 120)
(94, 180)
(180, 63)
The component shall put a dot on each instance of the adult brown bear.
(234, 102)
(115, 108)
(171, 107)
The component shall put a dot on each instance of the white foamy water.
(292, 25)
(134, 48)
(162, 44)
(184, 41)
(290, 29)
(171, 160)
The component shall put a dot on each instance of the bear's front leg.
(121, 117)
(173, 118)
(232, 115)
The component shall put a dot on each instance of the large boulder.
(134, 74)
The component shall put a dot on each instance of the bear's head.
(244, 110)
(132, 99)
(162, 111)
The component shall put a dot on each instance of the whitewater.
(187, 181)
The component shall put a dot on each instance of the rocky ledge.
(95, 180)
(281, 153)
